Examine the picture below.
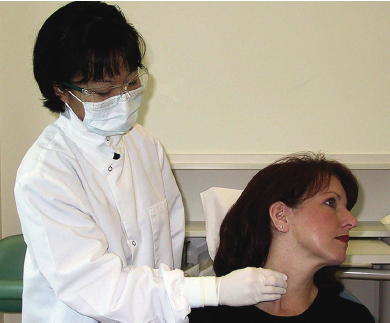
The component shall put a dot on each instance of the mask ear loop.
(135, 93)
(70, 92)
(73, 113)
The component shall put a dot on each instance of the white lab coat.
(102, 235)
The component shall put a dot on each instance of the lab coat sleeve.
(175, 207)
(72, 253)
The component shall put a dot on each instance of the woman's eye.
(104, 92)
(331, 202)
(133, 84)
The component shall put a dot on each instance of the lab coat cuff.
(201, 291)
(210, 291)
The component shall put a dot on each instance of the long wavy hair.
(246, 232)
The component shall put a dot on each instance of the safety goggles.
(133, 88)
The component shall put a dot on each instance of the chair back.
(12, 253)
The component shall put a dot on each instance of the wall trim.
(258, 161)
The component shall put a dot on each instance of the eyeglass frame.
(90, 92)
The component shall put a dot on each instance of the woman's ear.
(279, 216)
(61, 93)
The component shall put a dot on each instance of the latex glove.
(250, 286)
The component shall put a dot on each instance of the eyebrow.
(110, 80)
(334, 192)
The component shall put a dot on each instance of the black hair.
(87, 40)
(246, 234)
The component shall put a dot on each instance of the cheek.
(316, 229)
(315, 234)
(314, 237)
(321, 220)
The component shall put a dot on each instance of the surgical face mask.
(113, 116)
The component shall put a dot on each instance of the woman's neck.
(301, 290)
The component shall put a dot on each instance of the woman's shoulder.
(327, 307)
(226, 314)
(340, 308)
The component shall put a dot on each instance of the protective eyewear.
(133, 88)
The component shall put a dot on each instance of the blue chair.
(348, 295)
(12, 252)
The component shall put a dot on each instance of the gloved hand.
(250, 286)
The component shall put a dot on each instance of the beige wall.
(22, 118)
(229, 77)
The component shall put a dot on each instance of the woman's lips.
(344, 238)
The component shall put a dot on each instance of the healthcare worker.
(99, 207)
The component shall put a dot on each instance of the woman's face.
(321, 226)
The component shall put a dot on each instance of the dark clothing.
(326, 308)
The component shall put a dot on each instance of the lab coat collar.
(95, 148)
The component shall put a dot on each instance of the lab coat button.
(110, 168)
(134, 243)
(107, 138)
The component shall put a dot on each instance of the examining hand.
(250, 286)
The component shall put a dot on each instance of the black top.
(326, 308)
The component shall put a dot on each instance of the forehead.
(334, 186)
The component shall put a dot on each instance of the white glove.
(250, 286)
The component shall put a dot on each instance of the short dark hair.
(245, 234)
(87, 40)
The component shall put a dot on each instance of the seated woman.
(293, 217)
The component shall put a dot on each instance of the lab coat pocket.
(162, 240)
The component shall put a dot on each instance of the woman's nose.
(350, 220)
